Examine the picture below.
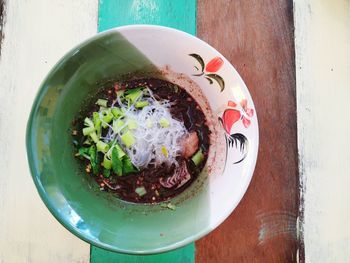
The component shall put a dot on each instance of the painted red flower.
(248, 112)
(246, 122)
(209, 70)
(214, 65)
(232, 104)
(232, 115)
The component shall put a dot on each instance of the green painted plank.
(179, 14)
(181, 255)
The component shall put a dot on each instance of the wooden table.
(296, 64)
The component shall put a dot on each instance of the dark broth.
(184, 109)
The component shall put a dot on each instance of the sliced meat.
(178, 179)
(189, 145)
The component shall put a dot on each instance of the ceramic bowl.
(100, 218)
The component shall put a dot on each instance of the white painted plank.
(323, 96)
(37, 33)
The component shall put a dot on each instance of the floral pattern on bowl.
(235, 111)
(208, 70)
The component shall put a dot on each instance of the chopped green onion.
(94, 159)
(107, 163)
(169, 205)
(88, 130)
(141, 191)
(83, 150)
(87, 141)
(117, 112)
(95, 117)
(107, 117)
(94, 137)
(106, 173)
(132, 124)
(128, 167)
(88, 122)
(133, 94)
(86, 156)
(102, 146)
(98, 128)
(120, 151)
(120, 93)
(107, 113)
(141, 104)
(97, 122)
(102, 108)
(164, 122)
(128, 139)
(101, 102)
(133, 90)
(117, 164)
(117, 125)
(198, 157)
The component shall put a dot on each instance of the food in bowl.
(146, 140)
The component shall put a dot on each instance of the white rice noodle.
(151, 137)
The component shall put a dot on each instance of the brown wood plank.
(257, 37)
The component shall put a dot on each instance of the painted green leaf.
(199, 59)
(218, 79)
(198, 75)
(210, 80)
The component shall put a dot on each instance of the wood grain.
(257, 37)
(37, 33)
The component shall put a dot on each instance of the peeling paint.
(322, 45)
(2, 21)
(33, 34)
